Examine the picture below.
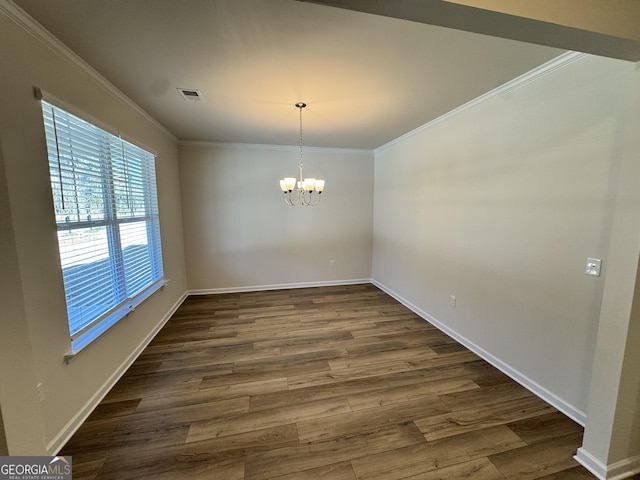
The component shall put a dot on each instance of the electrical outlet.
(593, 266)
(452, 301)
(332, 263)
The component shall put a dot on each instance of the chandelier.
(305, 191)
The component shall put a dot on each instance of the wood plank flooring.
(336, 383)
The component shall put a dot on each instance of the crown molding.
(29, 25)
(284, 148)
(552, 65)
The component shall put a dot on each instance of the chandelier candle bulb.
(306, 186)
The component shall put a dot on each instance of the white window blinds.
(106, 210)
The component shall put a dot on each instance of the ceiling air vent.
(191, 95)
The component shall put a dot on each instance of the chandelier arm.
(310, 202)
(288, 199)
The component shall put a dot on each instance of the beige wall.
(239, 234)
(17, 377)
(507, 201)
(4, 450)
(617, 19)
(35, 335)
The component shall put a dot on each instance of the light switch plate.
(593, 266)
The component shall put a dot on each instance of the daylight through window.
(106, 210)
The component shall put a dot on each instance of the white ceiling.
(367, 79)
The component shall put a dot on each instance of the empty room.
(282, 239)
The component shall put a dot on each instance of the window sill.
(87, 338)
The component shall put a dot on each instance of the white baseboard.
(569, 410)
(79, 418)
(591, 463)
(280, 286)
(615, 471)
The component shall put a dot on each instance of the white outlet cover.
(593, 266)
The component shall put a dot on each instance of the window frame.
(138, 186)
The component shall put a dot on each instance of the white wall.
(500, 205)
(611, 445)
(35, 334)
(239, 234)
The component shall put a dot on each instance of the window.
(106, 210)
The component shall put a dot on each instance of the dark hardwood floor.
(317, 383)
